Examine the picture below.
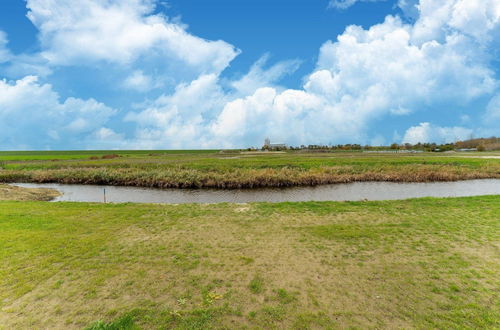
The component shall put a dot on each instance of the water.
(335, 192)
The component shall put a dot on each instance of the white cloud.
(32, 116)
(259, 76)
(5, 54)
(105, 133)
(492, 115)
(428, 133)
(408, 73)
(344, 4)
(409, 8)
(292, 116)
(180, 119)
(139, 81)
(107, 139)
(200, 97)
(364, 75)
(439, 19)
(120, 31)
(189, 117)
(390, 69)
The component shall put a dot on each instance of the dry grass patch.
(8, 192)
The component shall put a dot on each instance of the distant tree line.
(479, 144)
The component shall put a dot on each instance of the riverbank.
(421, 263)
(11, 193)
(196, 169)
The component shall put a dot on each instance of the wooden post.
(104, 195)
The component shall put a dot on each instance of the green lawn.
(213, 169)
(422, 263)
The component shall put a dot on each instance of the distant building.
(270, 146)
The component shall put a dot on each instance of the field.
(422, 263)
(234, 169)
(419, 263)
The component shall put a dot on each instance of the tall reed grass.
(178, 177)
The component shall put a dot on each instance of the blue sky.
(146, 74)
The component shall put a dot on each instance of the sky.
(196, 74)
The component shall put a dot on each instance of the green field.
(422, 263)
(234, 169)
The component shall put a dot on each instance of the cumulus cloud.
(365, 75)
(474, 18)
(385, 55)
(426, 133)
(179, 120)
(390, 70)
(120, 31)
(32, 116)
(294, 116)
(190, 117)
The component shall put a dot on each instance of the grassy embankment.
(423, 263)
(211, 169)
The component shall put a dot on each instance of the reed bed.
(245, 178)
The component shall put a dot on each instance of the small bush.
(110, 156)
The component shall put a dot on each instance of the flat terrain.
(214, 169)
(422, 263)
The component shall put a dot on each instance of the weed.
(285, 297)
(124, 323)
(256, 285)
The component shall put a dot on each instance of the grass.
(256, 285)
(212, 169)
(420, 263)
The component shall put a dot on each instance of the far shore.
(246, 170)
